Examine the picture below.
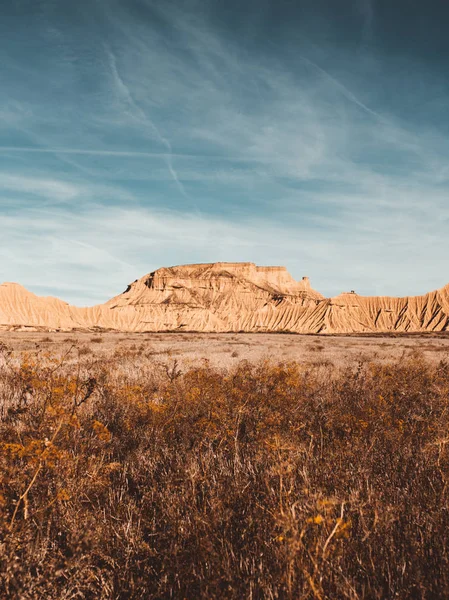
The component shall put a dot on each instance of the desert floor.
(224, 350)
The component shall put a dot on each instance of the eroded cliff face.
(220, 297)
(211, 297)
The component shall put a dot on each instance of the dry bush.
(316, 347)
(264, 481)
(83, 350)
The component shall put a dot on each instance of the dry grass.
(123, 479)
(192, 348)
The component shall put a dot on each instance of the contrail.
(164, 141)
(92, 247)
(38, 140)
(344, 90)
(86, 151)
(124, 153)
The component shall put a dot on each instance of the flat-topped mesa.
(223, 275)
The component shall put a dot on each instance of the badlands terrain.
(227, 297)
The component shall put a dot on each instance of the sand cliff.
(220, 297)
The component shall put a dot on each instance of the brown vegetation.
(261, 481)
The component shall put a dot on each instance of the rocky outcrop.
(221, 297)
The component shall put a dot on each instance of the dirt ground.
(224, 350)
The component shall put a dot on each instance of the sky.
(136, 134)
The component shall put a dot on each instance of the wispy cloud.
(257, 155)
(54, 189)
(144, 119)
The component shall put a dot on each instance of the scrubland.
(225, 349)
(132, 474)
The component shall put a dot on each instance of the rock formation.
(220, 297)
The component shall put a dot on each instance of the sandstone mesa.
(227, 297)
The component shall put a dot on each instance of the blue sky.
(143, 133)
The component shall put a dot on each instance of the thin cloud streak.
(122, 87)
(48, 188)
(343, 89)
(124, 153)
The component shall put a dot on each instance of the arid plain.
(225, 350)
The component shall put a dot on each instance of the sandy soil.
(223, 350)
